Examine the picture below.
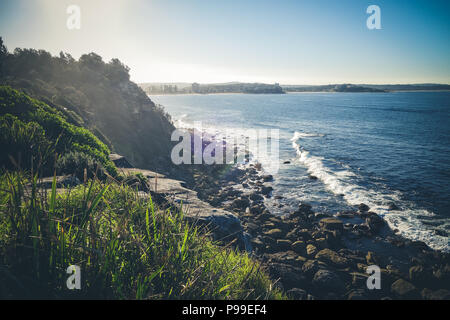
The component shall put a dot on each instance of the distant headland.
(276, 88)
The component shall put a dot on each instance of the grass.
(126, 246)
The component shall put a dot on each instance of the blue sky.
(290, 42)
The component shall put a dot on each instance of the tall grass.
(126, 246)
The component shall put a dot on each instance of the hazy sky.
(290, 42)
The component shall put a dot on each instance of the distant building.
(195, 87)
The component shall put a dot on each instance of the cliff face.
(98, 96)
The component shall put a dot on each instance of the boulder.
(241, 203)
(404, 289)
(331, 224)
(290, 276)
(420, 276)
(256, 197)
(326, 281)
(332, 258)
(441, 294)
(265, 190)
(283, 244)
(375, 222)
(372, 259)
(311, 250)
(363, 207)
(298, 294)
(275, 233)
(299, 247)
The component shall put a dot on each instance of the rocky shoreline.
(313, 255)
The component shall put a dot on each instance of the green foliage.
(76, 162)
(97, 95)
(126, 248)
(31, 128)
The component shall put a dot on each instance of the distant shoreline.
(287, 92)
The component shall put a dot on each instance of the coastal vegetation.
(63, 202)
(127, 247)
(95, 95)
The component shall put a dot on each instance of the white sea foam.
(407, 221)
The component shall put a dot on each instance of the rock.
(241, 203)
(286, 162)
(358, 294)
(359, 279)
(441, 233)
(393, 206)
(278, 197)
(256, 197)
(68, 181)
(275, 233)
(442, 274)
(420, 276)
(442, 294)
(120, 161)
(346, 214)
(363, 207)
(303, 210)
(404, 289)
(283, 244)
(321, 215)
(311, 250)
(321, 243)
(265, 190)
(330, 257)
(372, 259)
(267, 178)
(326, 281)
(298, 294)
(375, 222)
(299, 247)
(310, 267)
(331, 224)
(312, 177)
(290, 276)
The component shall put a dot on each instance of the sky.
(288, 42)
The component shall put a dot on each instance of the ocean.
(386, 150)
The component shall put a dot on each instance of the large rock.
(441, 294)
(363, 207)
(331, 224)
(299, 294)
(375, 222)
(120, 161)
(332, 258)
(326, 281)
(275, 233)
(311, 250)
(299, 247)
(289, 275)
(404, 289)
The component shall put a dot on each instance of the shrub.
(76, 162)
(53, 128)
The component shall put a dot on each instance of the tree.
(3, 55)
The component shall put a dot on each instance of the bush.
(22, 115)
(75, 163)
(20, 142)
